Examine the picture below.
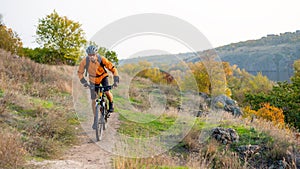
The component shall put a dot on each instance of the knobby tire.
(98, 136)
(100, 122)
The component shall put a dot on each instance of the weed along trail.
(88, 154)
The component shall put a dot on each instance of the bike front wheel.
(100, 122)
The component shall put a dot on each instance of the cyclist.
(95, 65)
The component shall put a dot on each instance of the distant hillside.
(159, 59)
(272, 55)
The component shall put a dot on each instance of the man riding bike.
(95, 65)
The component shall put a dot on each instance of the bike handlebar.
(101, 88)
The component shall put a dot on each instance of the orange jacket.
(96, 71)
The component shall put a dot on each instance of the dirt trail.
(89, 154)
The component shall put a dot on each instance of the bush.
(271, 113)
(42, 55)
(266, 112)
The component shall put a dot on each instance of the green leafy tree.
(61, 36)
(110, 55)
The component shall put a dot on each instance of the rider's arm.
(80, 71)
(110, 66)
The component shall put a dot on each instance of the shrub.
(42, 55)
(271, 113)
(267, 112)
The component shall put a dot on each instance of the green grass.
(250, 136)
(1, 93)
(142, 124)
(42, 103)
(35, 108)
(19, 110)
(74, 119)
(133, 100)
(119, 100)
(145, 125)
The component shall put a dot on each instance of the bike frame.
(101, 110)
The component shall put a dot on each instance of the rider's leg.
(110, 99)
(93, 107)
(93, 97)
(108, 94)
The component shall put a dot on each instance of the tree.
(197, 76)
(9, 40)
(62, 36)
(209, 76)
(110, 55)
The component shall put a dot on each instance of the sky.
(221, 21)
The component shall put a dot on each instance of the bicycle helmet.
(91, 50)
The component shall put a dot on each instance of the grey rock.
(227, 104)
(249, 150)
(225, 136)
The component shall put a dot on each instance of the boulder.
(248, 150)
(227, 104)
(225, 136)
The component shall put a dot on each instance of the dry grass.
(282, 146)
(5, 99)
(36, 103)
(12, 153)
(210, 156)
(28, 77)
(146, 163)
(218, 159)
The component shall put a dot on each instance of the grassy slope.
(36, 115)
(278, 144)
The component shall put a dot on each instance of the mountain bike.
(101, 113)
